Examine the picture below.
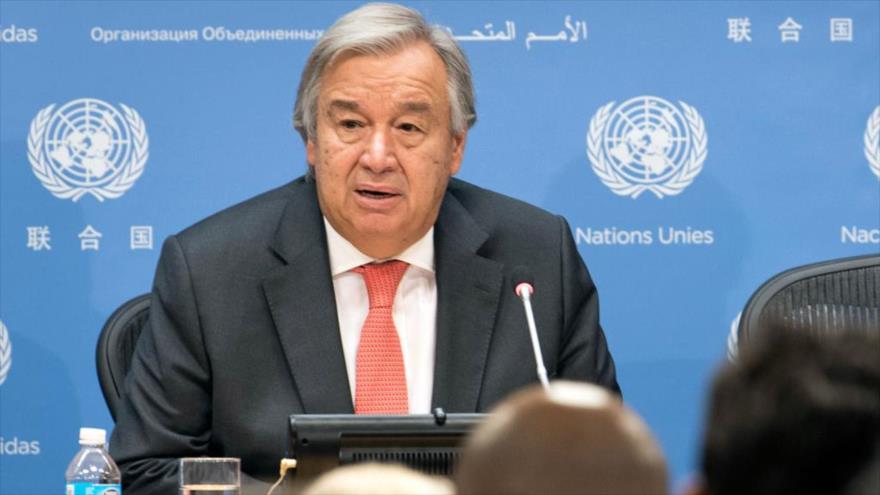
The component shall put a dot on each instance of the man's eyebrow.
(407, 106)
(415, 106)
(343, 105)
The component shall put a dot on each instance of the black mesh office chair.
(825, 297)
(116, 346)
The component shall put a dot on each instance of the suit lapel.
(301, 300)
(303, 307)
(468, 291)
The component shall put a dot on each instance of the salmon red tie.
(380, 383)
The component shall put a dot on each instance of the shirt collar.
(344, 255)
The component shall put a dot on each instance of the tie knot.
(382, 280)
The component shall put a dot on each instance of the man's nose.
(378, 153)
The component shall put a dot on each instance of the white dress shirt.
(414, 311)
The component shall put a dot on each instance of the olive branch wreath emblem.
(5, 353)
(675, 184)
(872, 141)
(116, 188)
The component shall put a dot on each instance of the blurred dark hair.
(796, 413)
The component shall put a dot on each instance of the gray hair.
(381, 28)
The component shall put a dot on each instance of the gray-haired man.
(269, 308)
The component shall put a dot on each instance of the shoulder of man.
(241, 231)
(499, 214)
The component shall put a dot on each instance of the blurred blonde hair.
(576, 438)
(378, 479)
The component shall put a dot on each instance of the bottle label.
(87, 488)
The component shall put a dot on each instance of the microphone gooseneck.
(524, 288)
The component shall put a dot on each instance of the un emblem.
(733, 338)
(872, 141)
(5, 353)
(87, 146)
(647, 144)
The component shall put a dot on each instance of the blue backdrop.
(696, 148)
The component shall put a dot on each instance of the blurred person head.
(795, 413)
(378, 479)
(384, 105)
(576, 438)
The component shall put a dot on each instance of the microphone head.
(522, 280)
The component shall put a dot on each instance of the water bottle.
(92, 471)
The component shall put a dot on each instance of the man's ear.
(311, 152)
(458, 142)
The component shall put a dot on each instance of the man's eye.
(350, 124)
(407, 127)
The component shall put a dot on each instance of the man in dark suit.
(270, 307)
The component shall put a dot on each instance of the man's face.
(384, 150)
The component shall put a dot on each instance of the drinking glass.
(210, 476)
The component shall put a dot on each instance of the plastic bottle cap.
(92, 436)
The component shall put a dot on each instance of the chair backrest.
(825, 297)
(116, 347)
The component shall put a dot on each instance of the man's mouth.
(375, 194)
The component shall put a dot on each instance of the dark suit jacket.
(243, 328)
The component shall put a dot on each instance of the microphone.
(523, 287)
